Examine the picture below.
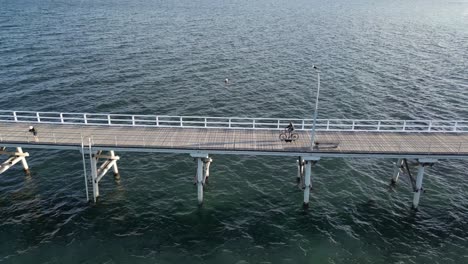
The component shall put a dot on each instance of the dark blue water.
(379, 59)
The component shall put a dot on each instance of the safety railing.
(234, 122)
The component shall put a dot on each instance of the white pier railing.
(233, 122)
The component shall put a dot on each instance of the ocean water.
(379, 60)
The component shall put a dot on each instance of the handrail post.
(404, 125)
(253, 123)
(15, 117)
(352, 128)
(328, 124)
(430, 126)
(38, 117)
(85, 119)
(230, 122)
(133, 120)
(278, 124)
(205, 121)
(109, 120)
(181, 124)
(455, 126)
(61, 118)
(302, 124)
(157, 120)
(378, 125)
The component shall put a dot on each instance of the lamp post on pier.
(312, 137)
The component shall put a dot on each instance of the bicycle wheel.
(294, 136)
(283, 136)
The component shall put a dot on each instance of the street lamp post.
(312, 138)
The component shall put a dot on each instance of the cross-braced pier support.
(402, 167)
(14, 158)
(309, 161)
(203, 172)
(98, 173)
(419, 179)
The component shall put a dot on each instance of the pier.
(99, 137)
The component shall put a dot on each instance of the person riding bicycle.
(288, 135)
(290, 128)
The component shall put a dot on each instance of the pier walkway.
(424, 140)
(237, 141)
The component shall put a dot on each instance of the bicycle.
(288, 136)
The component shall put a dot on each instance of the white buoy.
(226, 81)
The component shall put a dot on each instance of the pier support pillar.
(419, 180)
(94, 176)
(307, 183)
(300, 172)
(201, 174)
(200, 180)
(309, 161)
(207, 164)
(396, 171)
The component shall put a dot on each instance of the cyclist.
(288, 135)
(290, 129)
(34, 132)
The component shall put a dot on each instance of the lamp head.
(315, 68)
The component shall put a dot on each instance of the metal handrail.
(358, 125)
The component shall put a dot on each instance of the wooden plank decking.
(231, 140)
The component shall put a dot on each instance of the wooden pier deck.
(247, 141)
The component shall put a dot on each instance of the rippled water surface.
(379, 59)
